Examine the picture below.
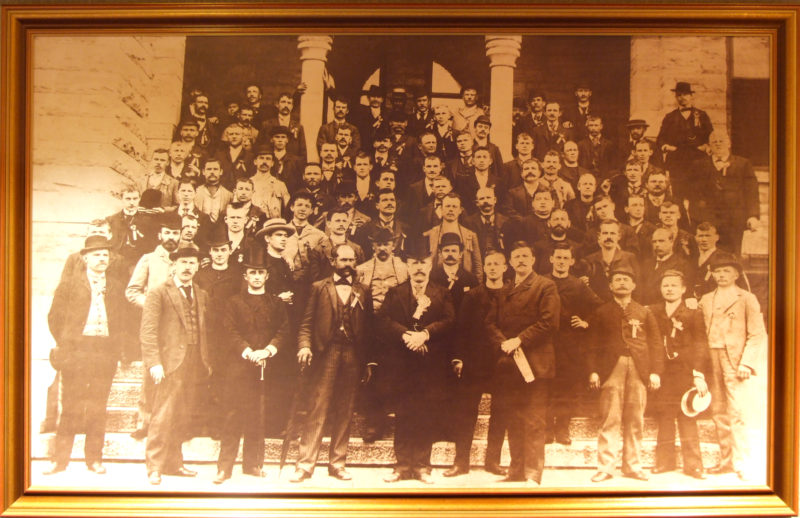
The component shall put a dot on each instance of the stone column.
(314, 50)
(502, 51)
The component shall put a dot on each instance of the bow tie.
(343, 281)
(721, 164)
(684, 110)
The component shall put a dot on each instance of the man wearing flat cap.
(737, 338)
(85, 319)
(415, 320)
(683, 138)
(686, 365)
(625, 359)
(175, 354)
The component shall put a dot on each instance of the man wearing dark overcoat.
(686, 365)
(333, 343)
(175, 354)
(257, 329)
(415, 319)
(85, 319)
(527, 319)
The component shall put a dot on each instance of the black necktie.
(187, 290)
(343, 281)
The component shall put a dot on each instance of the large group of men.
(410, 270)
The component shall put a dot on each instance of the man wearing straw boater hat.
(334, 344)
(175, 354)
(737, 338)
(686, 365)
(257, 328)
(85, 319)
(416, 318)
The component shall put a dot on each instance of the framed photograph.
(350, 259)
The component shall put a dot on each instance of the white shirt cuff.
(246, 352)
(272, 349)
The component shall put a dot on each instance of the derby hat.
(279, 130)
(151, 198)
(398, 92)
(417, 248)
(721, 259)
(171, 220)
(264, 149)
(345, 188)
(273, 225)
(622, 269)
(482, 119)
(682, 87)
(692, 403)
(450, 238)
(375, 91)
(381, 235)
(672, 273)
(93, 243)
(186, 250)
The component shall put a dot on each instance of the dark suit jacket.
(597, 159)
(529, 311)
(134, 238)
(493, 236)
(648, 291)
(363, 237)
(544, 140)
(290, 171)
(684, 335)
(464, 282)
(577, 211)
(362, 118)
(327, 133)
(164, 333)
(597, 270)
(415, 371)
(517, 203)
(612, 330)
(727, 199)
(467, 187)
(297, 136)
(231, 170)
(684, 133)
(70, 308)
(472, 345)
(321, 319)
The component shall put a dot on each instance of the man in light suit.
(332, 342)
(175, 354)
(737, 338)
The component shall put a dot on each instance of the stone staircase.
(582, 453)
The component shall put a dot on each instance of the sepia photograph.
(275, 263)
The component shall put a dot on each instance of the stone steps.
(120, 447)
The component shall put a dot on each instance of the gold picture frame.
(21, 23)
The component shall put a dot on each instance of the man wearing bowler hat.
(683, 138)
(737, 338)
(415, 321)
(85, 319)
(626, 143)
(175, 354)
(372, 118)
(625, 359)
(686, 365)
(257, 328)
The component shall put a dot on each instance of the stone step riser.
(581, 454)
(581, 428)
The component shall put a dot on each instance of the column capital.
(503, 49)
(314, 46)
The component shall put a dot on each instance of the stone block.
(87, 54)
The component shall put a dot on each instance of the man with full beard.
(558, 226)
(151, 271)
(332, 343)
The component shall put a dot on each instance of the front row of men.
(515, 340)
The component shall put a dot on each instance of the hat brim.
(174, 256)
(269, 230)
(693, 404)
(93, 248)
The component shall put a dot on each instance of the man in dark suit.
(683, 138)
(523, 151)
(626, 145)
(422, 116)
(553, 133)
(482, 175)
(610, 257)
(85, 319)
(132, 234)
(487, 223)
(473, 363)
(595, 152)
(175, 354)
(558, 232)
(451, 273)
(728, 195)
(257, 328)
(415, 320)
(335, 335)
(535, 117)
(625, 359)
(578, 302)
(526, 319)
(297, 136)
(234, 159)
(482, 139)
(686, 365)
(327, 132)
(662, 259)
(372, 118)
(579, 112)
(288, 167)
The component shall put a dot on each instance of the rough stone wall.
(658, 62)
(101, 104)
